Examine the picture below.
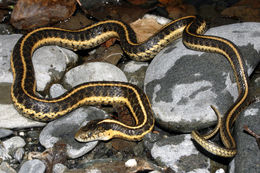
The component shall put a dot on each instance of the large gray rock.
(182, 84)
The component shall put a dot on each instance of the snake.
(191, 28)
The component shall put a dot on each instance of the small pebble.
(5, 133)
(4, 153)
(18, 155)
(14, 143)
(220, 171)
(59, 168)
(33, 166)
(21, 133)
(131, 163)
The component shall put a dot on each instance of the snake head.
(93, 131)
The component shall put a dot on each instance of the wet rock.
(29, 14)
(6, 168)
(65, 128)
(248, 156)
(52, 68)
(182, 84)
(7, 43)
(95, 71)
(135, 72)
(33, 166)
(5, 133)
(13, 143)
(179, 153)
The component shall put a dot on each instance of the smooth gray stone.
(94, 71)
(5, 133)
(33, 166)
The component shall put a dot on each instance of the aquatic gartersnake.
(191, 28)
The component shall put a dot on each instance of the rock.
(9, 116)
(30, 14)
(33, 166)
(13, 143)
(182, 84)
(59, 168)
(65, 128)
(6, 168)
(130, 163)
(179, 153)
(18, 155)
(56, 90)
(4, 155)
(248, 156)
(135, 72)
(54, 65)
(5, 133)
(95, 71)
(7, 43)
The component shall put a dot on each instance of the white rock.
(131, 163)
(7, 43)
(95, 71)
(10, 118)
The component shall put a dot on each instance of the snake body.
(25, 99)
